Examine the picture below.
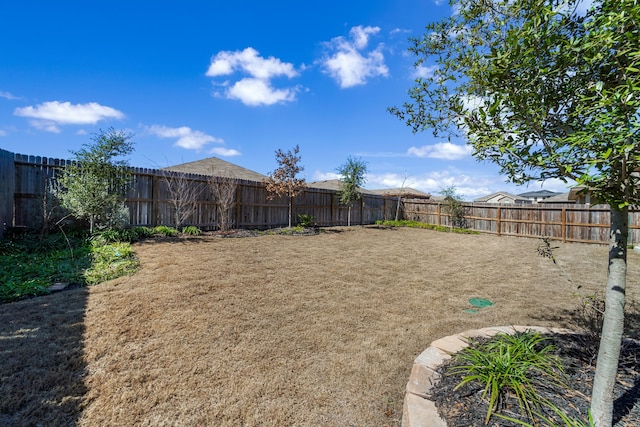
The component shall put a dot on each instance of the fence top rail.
(505, 206)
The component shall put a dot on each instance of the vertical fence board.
(7, 189)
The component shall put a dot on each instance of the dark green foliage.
(454, 207)
(163, 230)
(94, 186)
(305, 220)
(30, 264)
(509, 364)
(191, 230)
(130, 235)
(353, 178)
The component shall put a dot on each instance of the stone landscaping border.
(418, 410)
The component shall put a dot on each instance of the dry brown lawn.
(275, 330)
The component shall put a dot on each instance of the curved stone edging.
(418, 410)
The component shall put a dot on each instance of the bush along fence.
(563, 222)
(160, 197)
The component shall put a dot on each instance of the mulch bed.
(294, 231)
(465, 407)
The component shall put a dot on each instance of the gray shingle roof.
(217, 167)
(406, 192)
(558, 198)
(504, 195)
(539, 193)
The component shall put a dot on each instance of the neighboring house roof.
(335, 185)
(217, 167)
(578, 191)
(406, 192)
(502, 197)
(558, 198)
(330, 184)
(538, 194)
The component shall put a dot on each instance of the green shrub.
(514, 364)
(191, 230)
(163, 230)
(130, 235)
(305, 220)
(143, 232)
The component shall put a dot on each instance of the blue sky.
(235, 80)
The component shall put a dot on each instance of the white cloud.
(45, 126)
(325, 176)
(552, 184)
(468, 186)
(399, 31)
(257, 89)
(249, 61)
(7, 95)
(48, 116)
(348, 65)
(424, 72)
(441, 150)
(3, 132)
(255, 92)
(225, 152)
(360, 35)
(186, 137)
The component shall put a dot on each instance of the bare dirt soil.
(276, 330)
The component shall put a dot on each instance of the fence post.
(238, 204)
(564, 225)
(7, 190)
(154, 200)
(438, 213)
(499, 226)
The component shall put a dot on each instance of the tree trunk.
(290, 209)
(613, 324)
(349, 217)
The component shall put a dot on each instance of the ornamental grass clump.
(515, 364)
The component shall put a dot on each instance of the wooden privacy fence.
(566, 222)
(23, 182)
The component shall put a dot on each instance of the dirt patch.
(282, 330)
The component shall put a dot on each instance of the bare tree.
(183, 195)
(283, 181)
(400, 193)
(223, 189)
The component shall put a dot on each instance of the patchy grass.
(275, 330)
(423, 225)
